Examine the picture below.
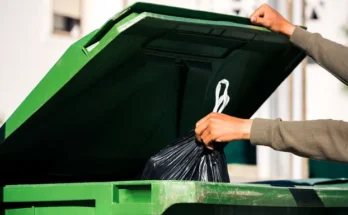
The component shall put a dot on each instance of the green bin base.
(171, 197)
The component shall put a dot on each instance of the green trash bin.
(174, 197)
(126, 90)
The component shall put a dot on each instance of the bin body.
(140, 81)
(173, 197)
(126, 90)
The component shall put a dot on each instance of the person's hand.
(217, 127)
(269, 18)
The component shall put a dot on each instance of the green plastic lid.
(126, 90)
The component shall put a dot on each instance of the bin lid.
(126, 90)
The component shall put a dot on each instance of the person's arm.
(330, 55)
(317, 139)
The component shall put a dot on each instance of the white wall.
(191, 4)
(325, 95)
(97, 12)
(28, 49)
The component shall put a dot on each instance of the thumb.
(261, 21)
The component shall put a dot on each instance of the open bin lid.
(126, 90)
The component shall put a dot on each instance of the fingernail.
(253, 19)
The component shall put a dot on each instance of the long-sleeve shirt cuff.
(301, 38)
(261, 132)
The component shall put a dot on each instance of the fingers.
(202, 124)
(208, 140)
(209, 146)
(205, 133)
(201, 128)
(262, 21)
(198, 138)
(218, 140)
(203, 120)
(259, 12)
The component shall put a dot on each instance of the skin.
(218, 127)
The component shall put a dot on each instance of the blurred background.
(35, 33)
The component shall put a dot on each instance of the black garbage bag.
(188, 159)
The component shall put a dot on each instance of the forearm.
(317, 139)
(330, 55)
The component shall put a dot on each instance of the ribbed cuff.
(261, 132)
(301, 38)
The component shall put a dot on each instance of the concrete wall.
(28, 49)
(97, 12)
(326, 98)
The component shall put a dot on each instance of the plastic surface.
(150, 74)
(327, 169)
(169, 198)
(187, 159)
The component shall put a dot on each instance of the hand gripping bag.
(187, 159)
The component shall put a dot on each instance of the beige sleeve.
(330, 55)
(317, 139)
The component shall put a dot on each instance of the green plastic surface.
(240, 152)
(126, 90)
(159, 197)
(326, 169)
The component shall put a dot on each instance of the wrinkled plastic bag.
(188, 159)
